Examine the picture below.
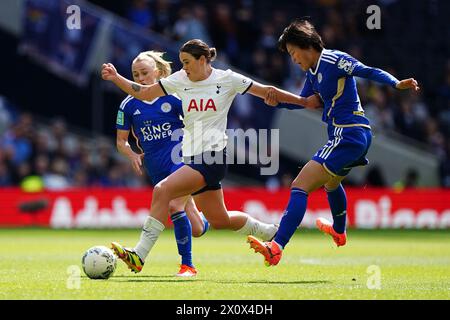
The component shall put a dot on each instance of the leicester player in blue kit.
(330, 74)
(152, 124)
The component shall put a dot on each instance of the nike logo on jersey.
(136, 112)
(186, 89)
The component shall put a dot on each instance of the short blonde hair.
(162, 65)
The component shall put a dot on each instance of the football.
(99, 262)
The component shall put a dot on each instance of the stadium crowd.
(58, 157)
(245, 34)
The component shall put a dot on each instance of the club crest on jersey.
(346, 65)
(166, 107)
(201, 105)
(319, 77)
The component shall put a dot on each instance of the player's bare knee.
(160, 192)
(333, 183)
(175, 206)
(330, 186)
(197, 230)
(297, 183)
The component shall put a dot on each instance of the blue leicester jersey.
(152, 124)
(333, 79)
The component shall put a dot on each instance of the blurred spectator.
(419, 108)
(243, 108)
(377, 110)
(57, 177)
(132, 179)
(374, 177)
(5, 115)
(61, 142)
(191, 25)
(279, 21)
(443, 101)
(268, 39)
(224, 33)
(16, 141)
(260, 63)
(410, 180)
(164, 19)
(434, 138)
(42, 165)
(282, 180)
(80, 179)
(273, 184)
(277, 69)
(114, 177)
(286, 180)
(140, 14)
(406, 122)
(41, 144)
(23, 171)
(248, 32)
(5, 176)
(444, 167)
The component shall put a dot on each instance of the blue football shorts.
(162, 174)
(346, 148)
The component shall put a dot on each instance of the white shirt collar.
(318, 63)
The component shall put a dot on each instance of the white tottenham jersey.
(205, 107)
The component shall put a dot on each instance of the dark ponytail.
(198, 48)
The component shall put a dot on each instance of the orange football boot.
(327, 227)
(270, 250)
(186, 271)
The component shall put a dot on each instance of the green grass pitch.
(43, 264)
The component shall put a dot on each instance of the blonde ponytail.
(162, 65)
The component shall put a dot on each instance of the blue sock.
(338, 205)
(292, 217)
(205, 224)
(183, 235)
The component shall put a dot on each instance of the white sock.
(258, 229)
(150, 233)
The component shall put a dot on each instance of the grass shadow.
(141, 276)
(291, 282)
(179, 280)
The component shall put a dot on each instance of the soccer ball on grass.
(99, 262)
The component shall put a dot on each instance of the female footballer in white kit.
(207, 94)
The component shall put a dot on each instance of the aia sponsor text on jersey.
(201, 105)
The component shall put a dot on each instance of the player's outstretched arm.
(141, 92)
(272, 96)
(356, 68)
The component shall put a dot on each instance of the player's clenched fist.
(271, 97)
(410, 83)
(109, 72)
